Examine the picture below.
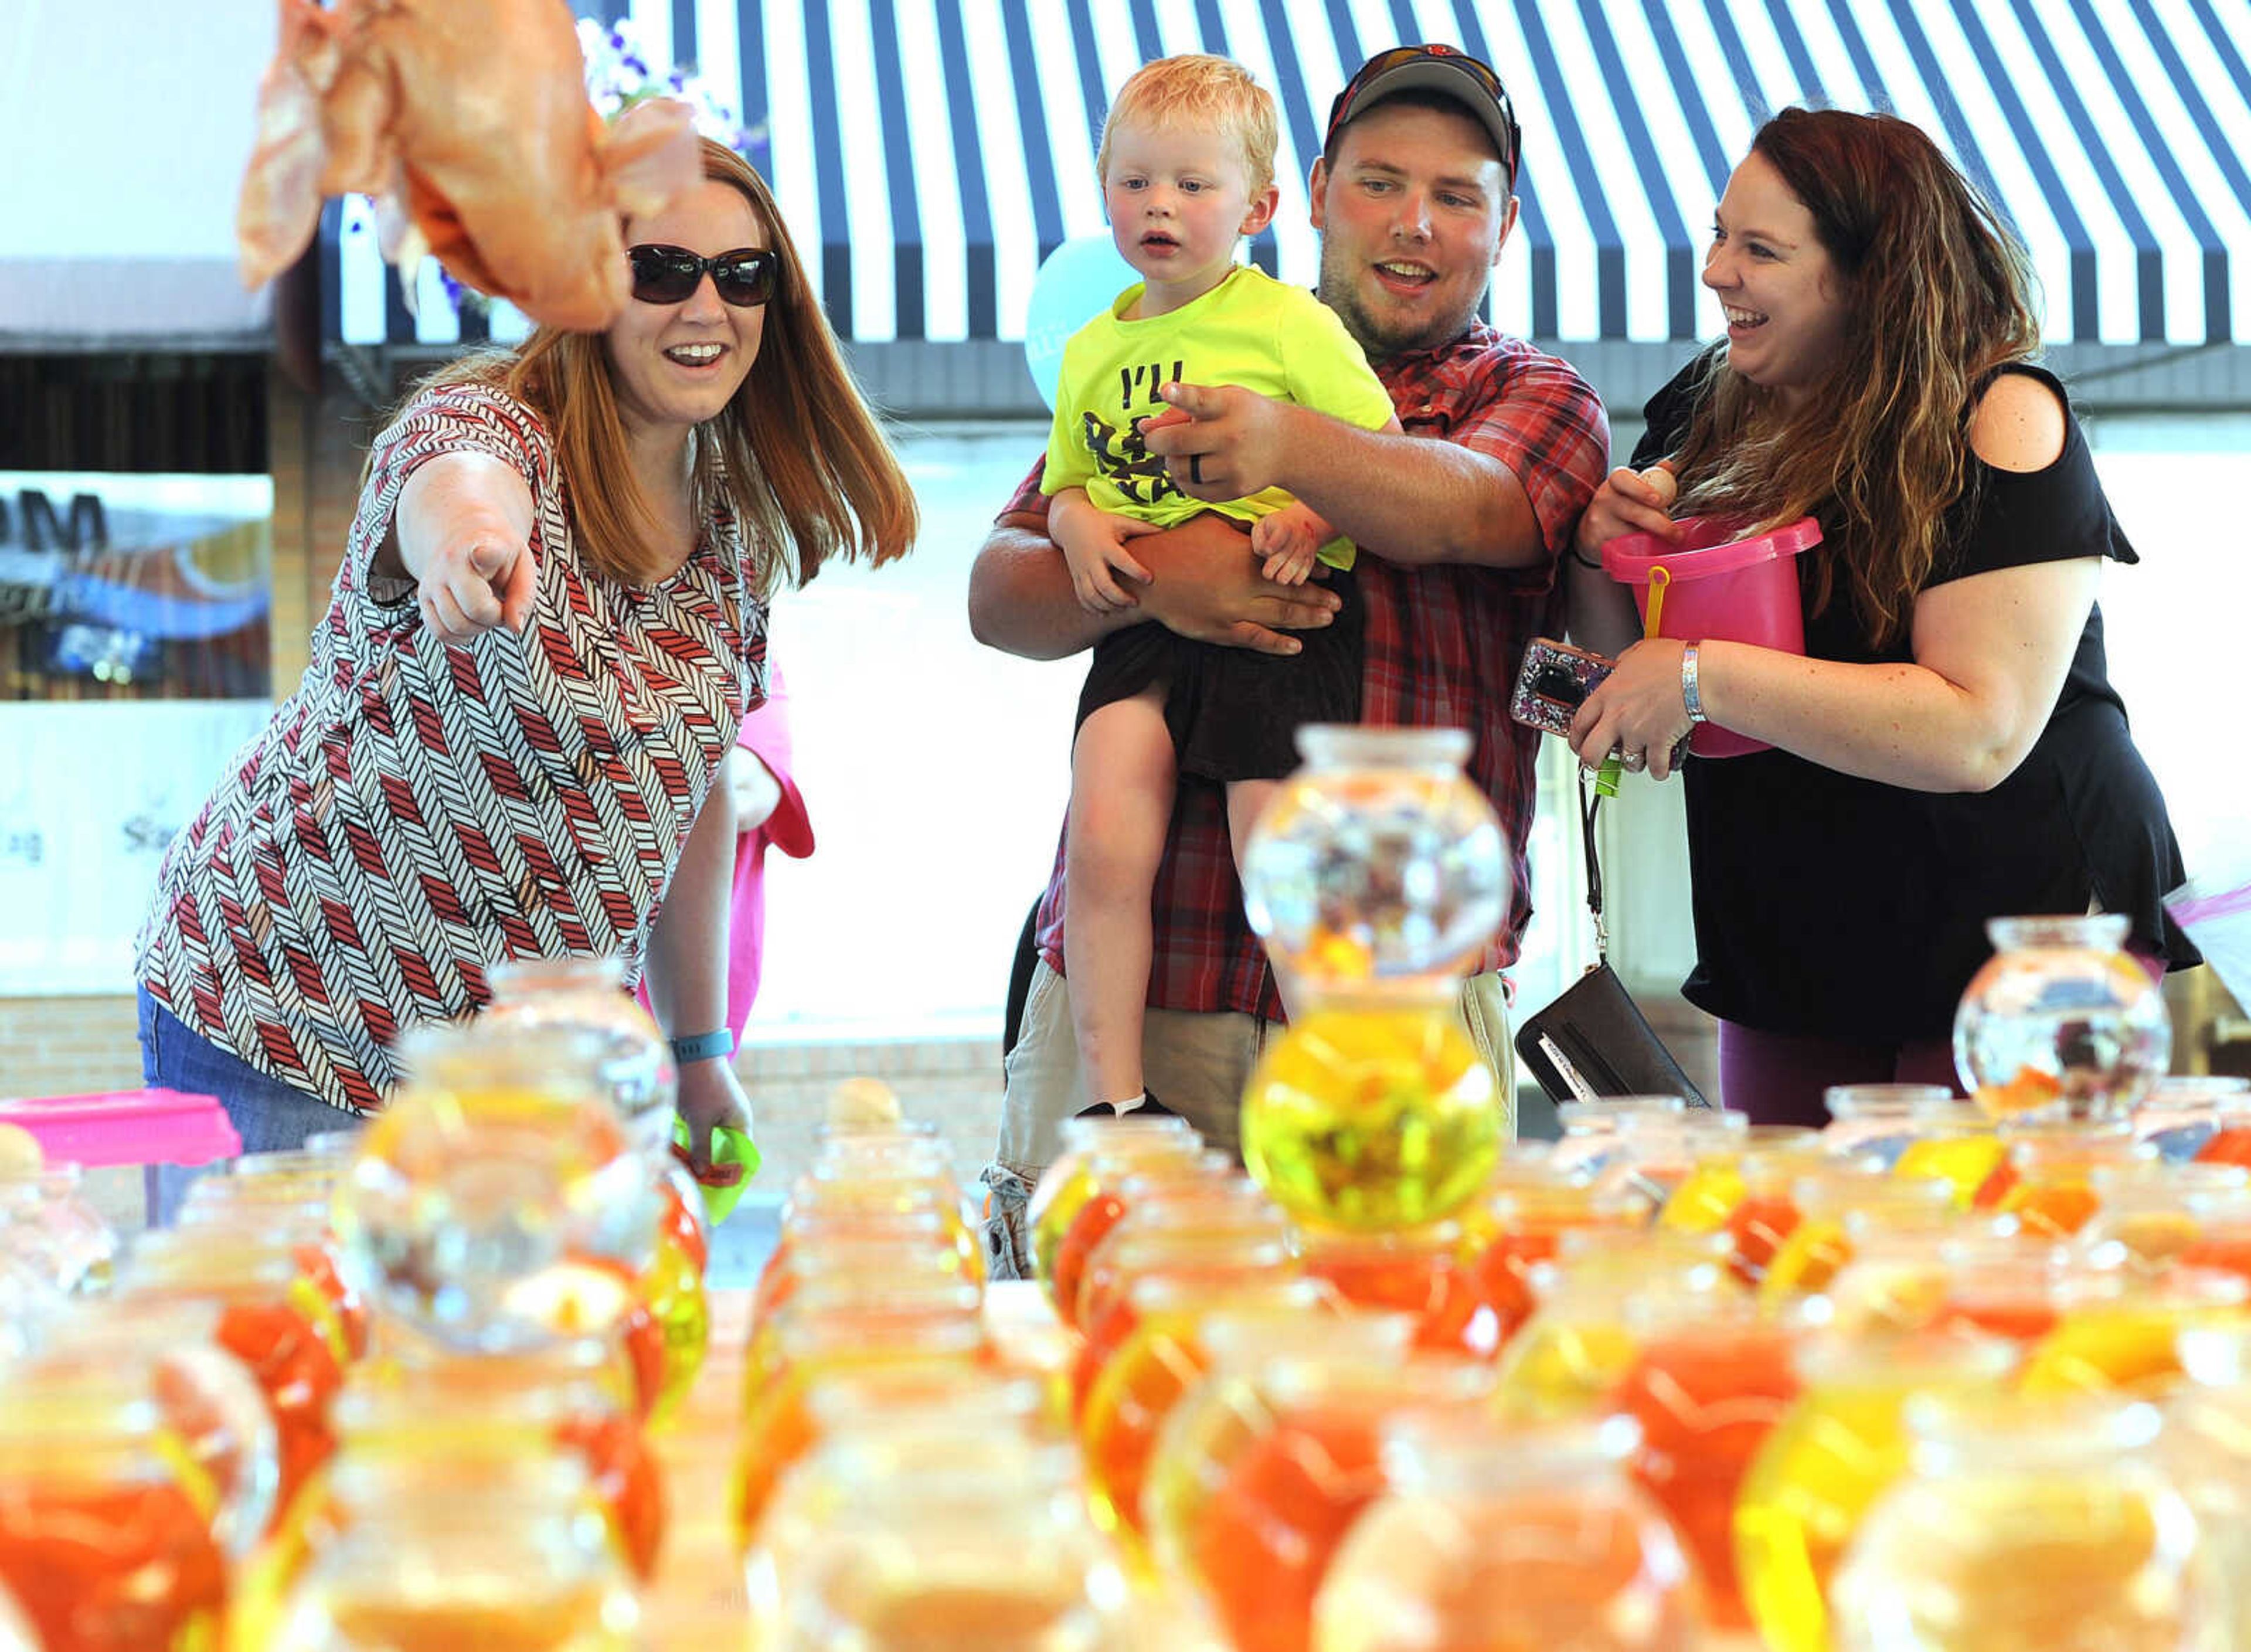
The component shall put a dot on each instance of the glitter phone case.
(1554, 681)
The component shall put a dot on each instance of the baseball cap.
(1443, 69)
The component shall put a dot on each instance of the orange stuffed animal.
(469, 119)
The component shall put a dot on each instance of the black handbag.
(1594, 1041)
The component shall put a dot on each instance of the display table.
(698, 1589)
(697, 1599)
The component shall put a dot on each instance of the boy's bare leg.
(1122, 780)
(1246, 800)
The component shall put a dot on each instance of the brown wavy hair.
(1939, 295)
(797, 455)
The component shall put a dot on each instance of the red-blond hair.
(1206, 94)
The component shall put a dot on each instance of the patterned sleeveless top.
(414, 812)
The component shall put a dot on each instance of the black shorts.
(1233, 713)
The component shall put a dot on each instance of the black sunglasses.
(744, 277)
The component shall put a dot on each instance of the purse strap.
(1589, 804)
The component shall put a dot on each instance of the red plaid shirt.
(1443, 648)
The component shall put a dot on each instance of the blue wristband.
(703, 1046)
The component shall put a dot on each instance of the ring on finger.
(1196, 468)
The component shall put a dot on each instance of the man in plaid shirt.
(1464, 516)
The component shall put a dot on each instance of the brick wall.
(63, 1046)
(60, 1046)
(953, 1083)
(318, 448)
(51, 1047)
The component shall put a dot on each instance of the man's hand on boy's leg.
(1206, 589)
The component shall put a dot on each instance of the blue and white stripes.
(927, 153)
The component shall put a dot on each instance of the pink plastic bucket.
(1719, 589)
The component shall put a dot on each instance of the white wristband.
(1691, 695)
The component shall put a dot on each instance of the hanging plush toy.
(470, 120)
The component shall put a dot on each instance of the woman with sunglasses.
(548, 621)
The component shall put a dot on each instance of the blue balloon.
(1076, 284)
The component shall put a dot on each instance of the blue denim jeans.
(270, 1116)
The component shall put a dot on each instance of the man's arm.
(1204, 584)
(1409, 499)
(1022, 600)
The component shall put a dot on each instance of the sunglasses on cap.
(744, 277)
(1435, 64)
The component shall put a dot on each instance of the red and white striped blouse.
(414, 812)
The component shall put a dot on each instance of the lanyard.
(1589, 806)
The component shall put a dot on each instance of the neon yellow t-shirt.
(1250, 330)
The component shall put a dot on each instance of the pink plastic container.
(1719, 589)
(126, 1127)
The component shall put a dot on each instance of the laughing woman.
(548, 621)
(1950, 748)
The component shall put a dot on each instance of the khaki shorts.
(1197, 1063)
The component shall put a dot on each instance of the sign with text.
(89, 796)
(156, 587)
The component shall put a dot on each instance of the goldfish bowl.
(1378, 861)
(2061, 1022)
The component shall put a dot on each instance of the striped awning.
(927, 154)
